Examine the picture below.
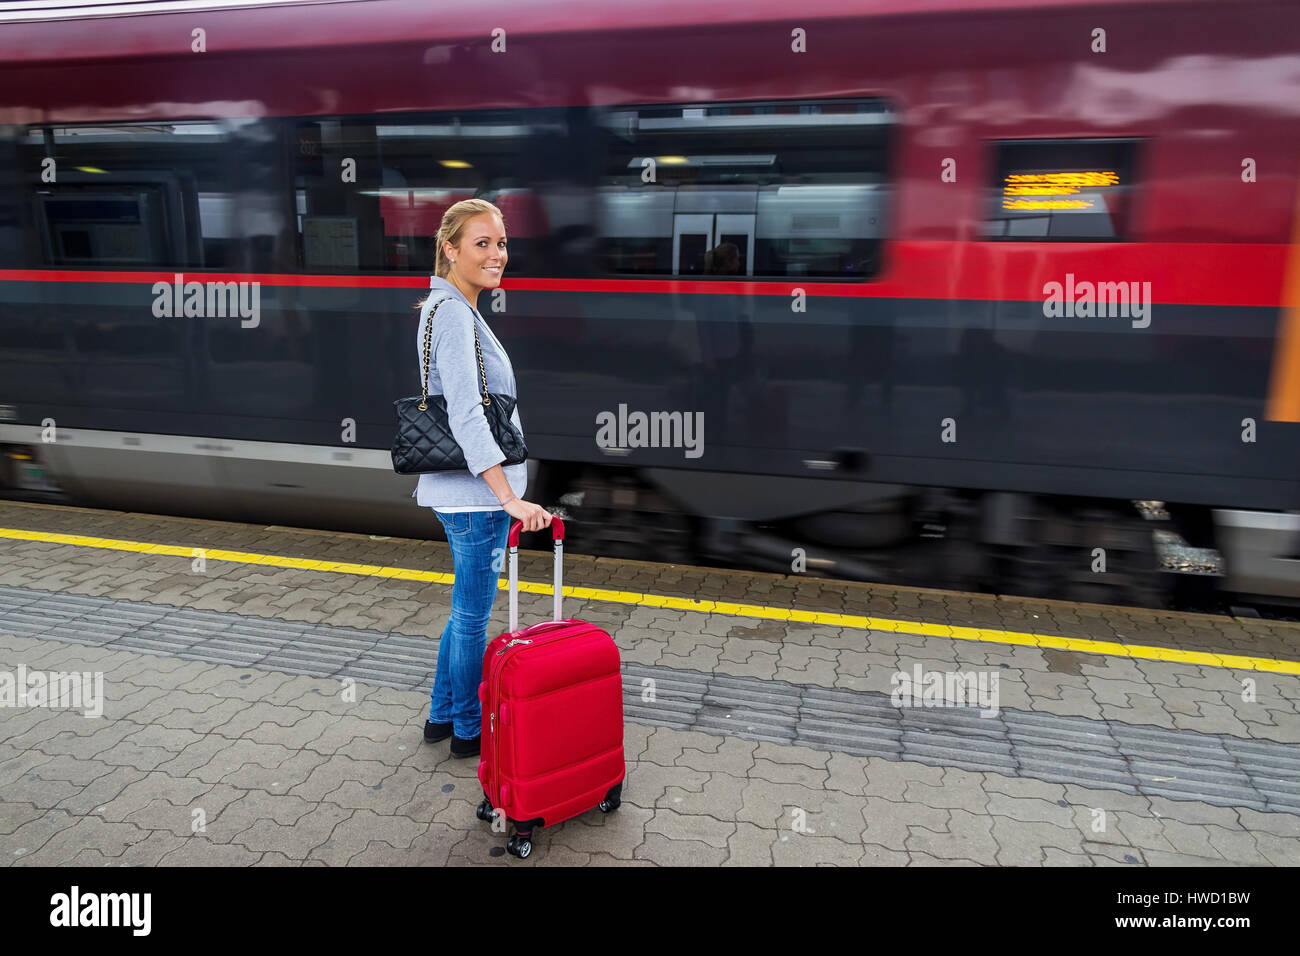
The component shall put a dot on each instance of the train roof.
(54, 30)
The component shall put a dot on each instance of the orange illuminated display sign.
(1047, 204)
(1054, 185)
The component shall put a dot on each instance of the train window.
(11, 210)
(768, 190)
(370, 191)
(171, 194)
(1062, 189)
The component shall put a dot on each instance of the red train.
(951, 284)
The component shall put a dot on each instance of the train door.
(694, 234)
(737, 228)
(692, 237)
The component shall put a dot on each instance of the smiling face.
(480, 258)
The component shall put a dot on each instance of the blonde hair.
(453, 225)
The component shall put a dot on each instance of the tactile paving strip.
(1101, 754)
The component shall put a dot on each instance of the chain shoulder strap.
(428, 342)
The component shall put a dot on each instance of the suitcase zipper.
(492, 716)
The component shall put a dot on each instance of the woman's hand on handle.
(533, 516)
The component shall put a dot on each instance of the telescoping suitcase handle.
(557, 529)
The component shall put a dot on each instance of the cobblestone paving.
(280, 770)
(982, 736)
(1164, 694)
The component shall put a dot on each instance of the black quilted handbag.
(424, 441)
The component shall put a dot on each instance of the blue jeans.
(474, 536)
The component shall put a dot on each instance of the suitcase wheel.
(484, 811)
(612, 799)
(519, 846)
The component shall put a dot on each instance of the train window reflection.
(1062, 189)
(798, 189)
(184, 194)
(370, 192)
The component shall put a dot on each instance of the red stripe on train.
(1244, 274)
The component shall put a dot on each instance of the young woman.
(475, 506)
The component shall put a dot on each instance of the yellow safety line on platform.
(956, 632)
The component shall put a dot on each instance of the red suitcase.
(552, 694)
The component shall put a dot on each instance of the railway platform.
(262, 692)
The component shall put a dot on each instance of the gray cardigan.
(454, 373)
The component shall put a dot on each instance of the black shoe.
(464, 748)
(435, 732)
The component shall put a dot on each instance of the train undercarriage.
(1143, 554)
(1138, 553)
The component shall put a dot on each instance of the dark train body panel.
(1045, 417)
